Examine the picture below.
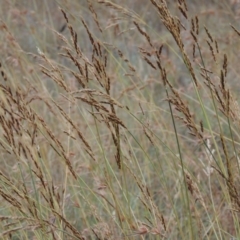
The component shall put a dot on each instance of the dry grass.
(119, 120)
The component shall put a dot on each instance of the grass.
(119, 120)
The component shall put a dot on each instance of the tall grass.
(119, 120)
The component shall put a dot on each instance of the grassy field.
(119, 119)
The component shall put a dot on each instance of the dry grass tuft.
(119, 120)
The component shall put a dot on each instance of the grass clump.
(119, 120)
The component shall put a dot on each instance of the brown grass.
(119, 120)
